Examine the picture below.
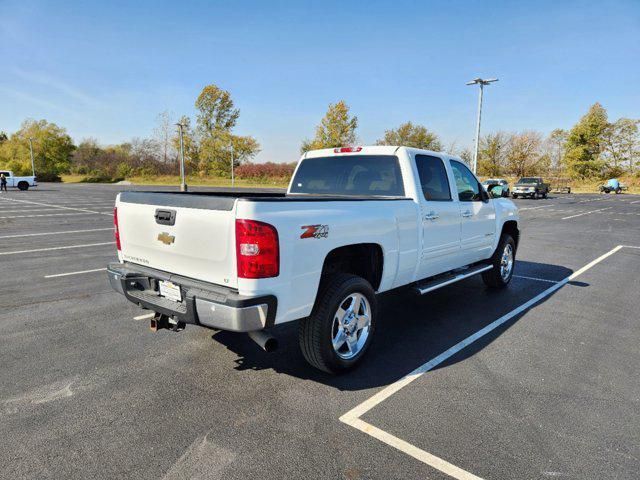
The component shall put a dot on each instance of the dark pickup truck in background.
(533, 187)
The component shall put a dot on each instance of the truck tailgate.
(189, 235)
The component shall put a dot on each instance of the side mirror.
(496, 191)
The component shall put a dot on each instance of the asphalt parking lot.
(537, 381)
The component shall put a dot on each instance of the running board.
(440, 282)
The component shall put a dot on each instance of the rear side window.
(433, 178)
(354, 175)
(466, 183)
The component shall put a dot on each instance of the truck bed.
(226, 200)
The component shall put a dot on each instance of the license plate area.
(169, 290)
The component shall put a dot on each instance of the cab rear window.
(353, 175)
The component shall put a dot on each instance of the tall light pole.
(33, 165)
(232, 176)
(183, 181)
(481, 82)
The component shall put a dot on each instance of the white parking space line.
(65, 247)
(75, 273)
(535, 208)
(58, 206)
(536, 279)
(30, 210)
(586, 213)
(144, 317)
(352, 417)
(57, 233)
(52, 215)
(637, 201)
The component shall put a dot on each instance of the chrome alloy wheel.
(506, 262)
(351, 326)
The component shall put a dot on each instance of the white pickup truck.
(22, 183)
(354, 222)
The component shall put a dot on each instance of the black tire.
(23, 186)
(618, 190)
(544, 195)
(315, 331)
(493, 278)
(513, 195)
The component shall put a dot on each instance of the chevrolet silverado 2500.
(354, 222)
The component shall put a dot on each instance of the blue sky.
(106, 69)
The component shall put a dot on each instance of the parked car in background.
(533, 187)
(355, 221)
(21, 183)
(487, 184)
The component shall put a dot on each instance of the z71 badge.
(315, 231)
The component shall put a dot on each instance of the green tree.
(410, 135)
(52, 149)
(586, 142)
(216, 112)
(215, 121)
(336, 129)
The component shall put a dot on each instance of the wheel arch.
(511, 227)
(365, 260)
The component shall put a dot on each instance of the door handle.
(431, 216)
(467, 214)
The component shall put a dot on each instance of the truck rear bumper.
(202, 303)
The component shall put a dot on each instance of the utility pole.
(33, 165)
(183, 180)
(481, 83)
(232, 176)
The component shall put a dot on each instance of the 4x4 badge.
(315, 231)
(165, 238)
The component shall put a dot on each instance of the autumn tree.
(492, 154)
(163, 133)
(337, 128)
(410, 135)
(191, 146)
(586, 142)
(622, 143)
(554, 147)
(524, 156)
(215, 121)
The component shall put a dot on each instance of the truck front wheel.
(337, 334)
(503, 261)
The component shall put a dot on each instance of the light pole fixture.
(481, 82)
(183, 181)
(232, 174)
(33, 165)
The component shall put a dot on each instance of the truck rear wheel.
(23, 186)
(339, 331)
(503, 261)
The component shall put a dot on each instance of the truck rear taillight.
(116, 232)
(257, 249)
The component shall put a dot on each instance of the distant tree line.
(594, 147)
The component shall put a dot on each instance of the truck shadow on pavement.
(412, 329)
